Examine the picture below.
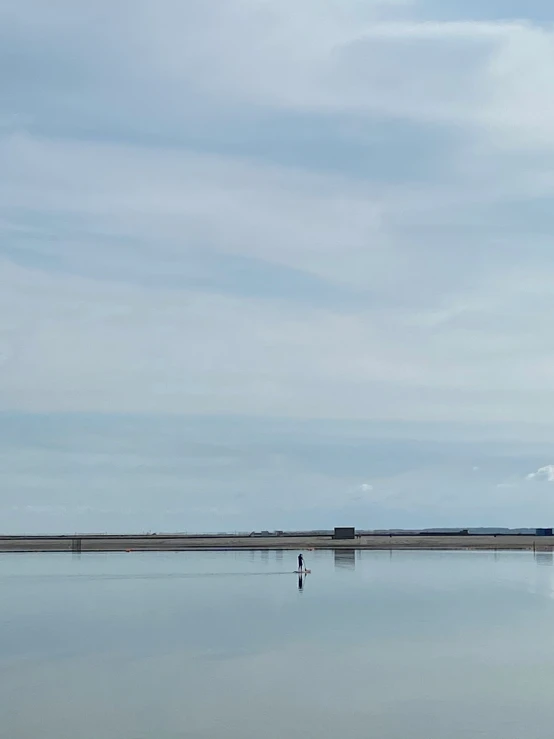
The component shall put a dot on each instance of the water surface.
(425, 645)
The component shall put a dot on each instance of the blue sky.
(275, 264)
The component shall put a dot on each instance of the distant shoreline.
(78, 543)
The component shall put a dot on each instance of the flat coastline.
(181, 542)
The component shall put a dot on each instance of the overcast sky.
(270, 263)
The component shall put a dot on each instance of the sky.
(276, 264)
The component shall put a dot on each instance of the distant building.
(544, 532)
(344, 532)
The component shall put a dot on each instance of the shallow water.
(425, 645)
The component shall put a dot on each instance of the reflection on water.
(544, 558)
(424, 645)
(345, 558)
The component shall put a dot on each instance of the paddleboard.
(302, 572)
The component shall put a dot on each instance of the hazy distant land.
(491, 539)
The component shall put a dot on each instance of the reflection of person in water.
(300, 583)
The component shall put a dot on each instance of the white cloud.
(174, 202)
(369, 58)
(493, 74)
(366, 488)
(544, 473)
(78, 344)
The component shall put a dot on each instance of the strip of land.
(183, 542)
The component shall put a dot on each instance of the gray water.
(425, 645)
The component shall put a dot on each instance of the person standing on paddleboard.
(301, 566)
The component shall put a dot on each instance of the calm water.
(211, 645)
